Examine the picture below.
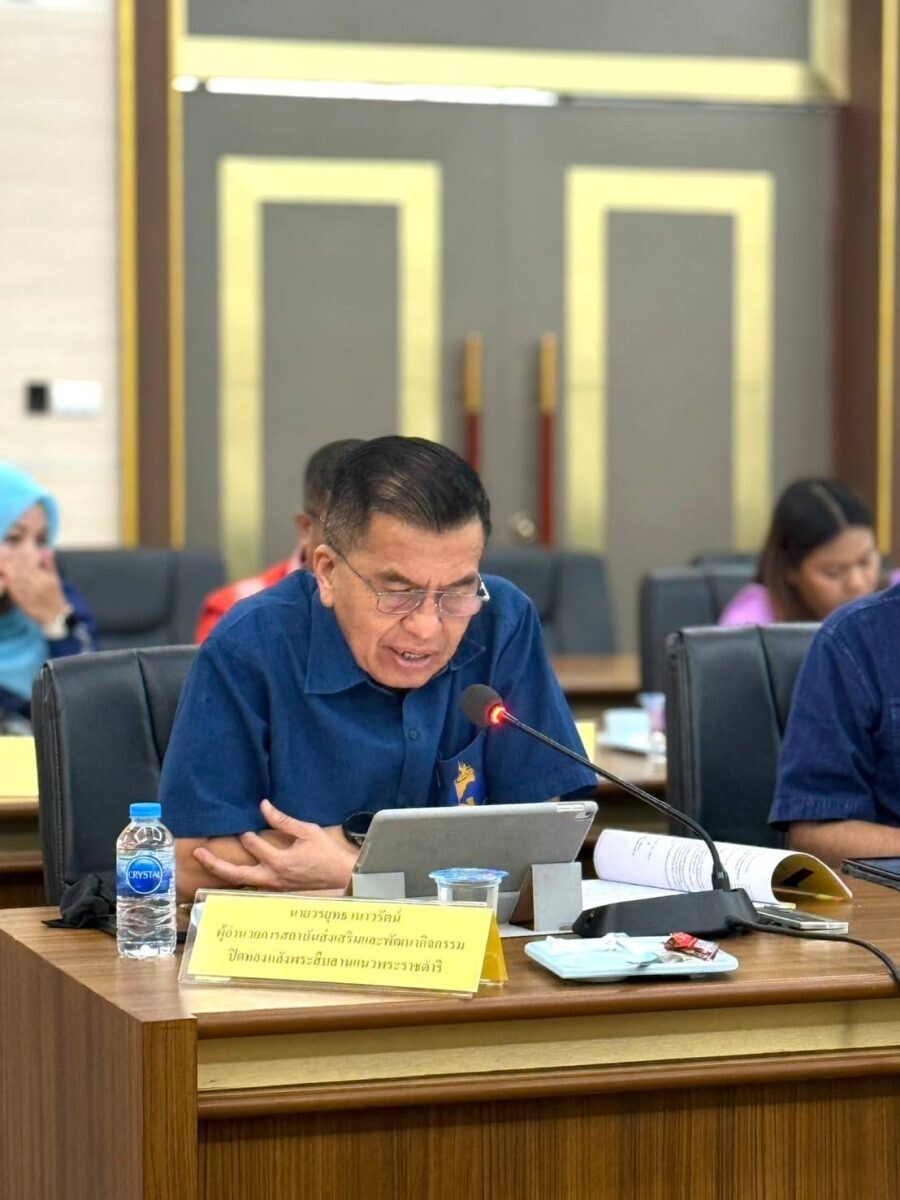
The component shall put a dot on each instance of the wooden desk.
(779, 1081)
(21, 868)
(589, 680)
(633, 768)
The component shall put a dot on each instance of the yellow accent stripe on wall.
(592, 194)
(658, 77)
(644, 76)
(829, 38)
(246, 184)
(177, 462)
(128, 334)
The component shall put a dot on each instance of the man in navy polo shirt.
(338, 691)
(839, 779)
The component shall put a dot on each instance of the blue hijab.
(23, 647)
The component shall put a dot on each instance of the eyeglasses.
(449, 604)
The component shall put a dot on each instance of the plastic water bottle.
(145, 886)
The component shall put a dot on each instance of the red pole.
(549, 360)
(473, 397)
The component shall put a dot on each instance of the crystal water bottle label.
(144, 875)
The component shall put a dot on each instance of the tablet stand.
(550, 898)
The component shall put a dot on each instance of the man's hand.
(32, 583)
(304, 856)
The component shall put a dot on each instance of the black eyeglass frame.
(481, 594)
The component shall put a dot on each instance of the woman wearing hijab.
(41, 617)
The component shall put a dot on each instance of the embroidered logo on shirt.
(465, 777)
(465, 780)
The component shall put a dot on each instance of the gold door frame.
(822, 75)
(747, 197)
(245, 185)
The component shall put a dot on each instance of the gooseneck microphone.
(714, 913)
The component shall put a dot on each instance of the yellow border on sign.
(644, 76)
(747, 197)
(245, 185)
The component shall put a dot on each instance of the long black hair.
(808, 514)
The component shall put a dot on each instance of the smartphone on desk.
(885, 871)
(796, 918)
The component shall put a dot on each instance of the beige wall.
(59, 255)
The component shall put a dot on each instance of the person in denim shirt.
(337, 691)
(838, 790)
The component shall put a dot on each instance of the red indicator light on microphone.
(497, 713)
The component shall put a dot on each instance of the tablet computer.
(885, 871)
(508, 837)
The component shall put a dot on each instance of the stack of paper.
(633, 866)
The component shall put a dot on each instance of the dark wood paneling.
(93, 1103)
(153, 342)
(800, 1140)
(22, 883)
(856, 259)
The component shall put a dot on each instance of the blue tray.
(580, 960)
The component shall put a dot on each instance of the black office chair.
(673, 598)
(570, 591)
(101, 726)
(728, 697)
(145, 597)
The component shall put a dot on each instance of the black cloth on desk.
(89, 903)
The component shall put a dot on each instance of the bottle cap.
(145, 812)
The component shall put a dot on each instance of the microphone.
(714, 913)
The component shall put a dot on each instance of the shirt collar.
(331, 667)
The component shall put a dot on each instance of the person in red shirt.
(317, 481)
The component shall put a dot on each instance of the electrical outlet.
(76, 398)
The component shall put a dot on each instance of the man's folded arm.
(190, 874)
(833, 841)
(294, 856)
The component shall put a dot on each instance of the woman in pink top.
(820, 553)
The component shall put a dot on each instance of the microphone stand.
(720, 912)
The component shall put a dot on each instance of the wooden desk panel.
(781, 1080)
(790, 1141)
(21, 865)
(605, 679)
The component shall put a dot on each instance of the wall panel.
(330, 338)
(688, 370)
(58, 255)
(761, 28)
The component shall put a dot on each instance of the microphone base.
(703, 914)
